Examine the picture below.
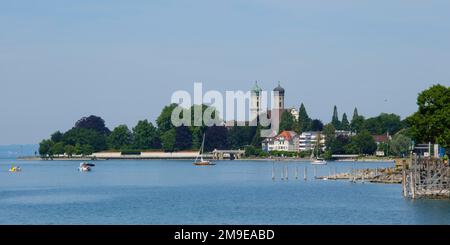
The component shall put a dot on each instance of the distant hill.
(12, 151)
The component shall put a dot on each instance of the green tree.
(146, 136)
(238, 137)
(384, 123)
(93, 122)
(355, 113)
(197, 131)
(257, 139)
(329, 132)
(164, 120)
(316, 125)
(345, 125)
(252, 151)
(365, 143)
(58, 148)
(85, 136)
(87, 150)
(69, 150)
(287, 121)
(78, 149)
(57, 137)
(304, 121)
(120, 138)
(216, 138)
(340, 144)
(335, 119)
(44, 147)
(168, 140)
(197, 136)
(357, 123)
(400, 145)
(431, 123)
(183, 138)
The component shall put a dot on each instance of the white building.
(308, 141)
(285, 141)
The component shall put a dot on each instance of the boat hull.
(204, 163)
(84, 169)
(319, 163)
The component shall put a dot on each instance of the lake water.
(176, 192)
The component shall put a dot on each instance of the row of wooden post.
(285, 172)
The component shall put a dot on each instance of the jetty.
(426, 177)
(378, 175)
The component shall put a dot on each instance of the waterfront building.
(308, 141)
(285, 141)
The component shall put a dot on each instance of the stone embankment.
(379, 175)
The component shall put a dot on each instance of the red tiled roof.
(288, 135)
(380, 138)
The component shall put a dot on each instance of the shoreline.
(93, 158)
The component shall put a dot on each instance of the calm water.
(176, 192)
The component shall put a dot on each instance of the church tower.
(255, 102)
(279, 99)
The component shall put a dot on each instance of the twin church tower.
(255, 101)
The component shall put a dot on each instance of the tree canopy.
(431, 123)
(120, 138)
(384, 123)
(287, 121)
(335, 119)
(93, 122)
(304, 121)
(146, 136)
(345, 124)
(316, 125)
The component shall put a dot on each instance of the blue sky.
(121, 60)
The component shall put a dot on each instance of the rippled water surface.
(176, 192)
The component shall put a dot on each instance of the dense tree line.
(91, 135)
(343, 136)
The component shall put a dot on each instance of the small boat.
(319, 161)
(14, 169)
(85, 167)
(201, 161)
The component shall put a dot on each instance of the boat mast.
(203, 145)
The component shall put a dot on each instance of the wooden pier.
(426, 178)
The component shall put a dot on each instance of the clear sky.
(121, 60)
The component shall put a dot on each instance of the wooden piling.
(305, 176)
(287, 172)
(282, 173)
(273, 171)
(405, 191)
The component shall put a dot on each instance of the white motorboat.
(85, 167)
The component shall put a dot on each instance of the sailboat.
(318, 160)
(201, 161)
